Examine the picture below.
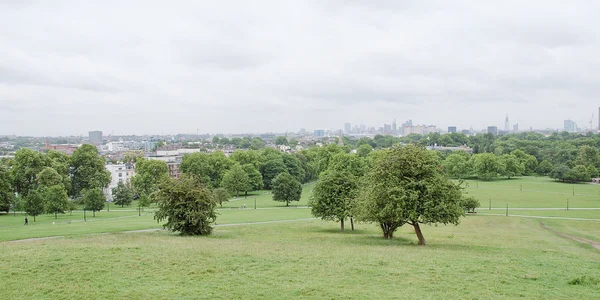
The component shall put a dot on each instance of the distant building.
(506, 124)
(451, 129)
(96, 137)
(516, 127)
(319, 133)
(492, 129)
(347, 128)
(570, 126)
(394, 127)
(466, 131)
(118, 173)
(387, 128)
(66, 148)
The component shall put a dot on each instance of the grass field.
(485, 257)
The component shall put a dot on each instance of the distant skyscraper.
(451, 129)
(493, 130)
(506, 125)
(570, 126)
(394, 128)
(516, 127)
(319, 133)
(466, 131)
(347, 128)
(96, 137)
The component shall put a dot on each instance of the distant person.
(26, 221)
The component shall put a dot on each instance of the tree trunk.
(55, 215)
(237, 194)
(342, 224)
(94, 213)
(34, 219)
(221, 203)
(352, 223)
(388, 230)
(287, 203)
(419, 234)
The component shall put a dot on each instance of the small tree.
(57, 200)
(221, 195)
(286, 188)
(34, 204)
(470, 204)
(333, 196)
(122, 194)
(236, 180)
(186, 205)
(93, 200)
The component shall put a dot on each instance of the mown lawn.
(483, 258)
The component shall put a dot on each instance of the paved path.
(541, 217)
(157, 229)
(539, 208)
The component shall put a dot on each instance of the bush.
(470, 204)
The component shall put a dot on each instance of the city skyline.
(281, 66)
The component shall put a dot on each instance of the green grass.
(536, 192)
(483, 258)
(585, 214)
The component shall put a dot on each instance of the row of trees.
(43, 182)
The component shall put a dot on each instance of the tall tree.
(486, 166)
(197, 164)
(281, 140)
(511, 166)
(6, 193)
(34, 203)
(270, 169)
(407, 186)
(186, 205)
(354, 164)
(93, 200)
(26, 166)
(254, 177)
(122, 194)
(56, 199)
(236, 180)
(334, 195)
(219, 164)
(49, 177)
(88, 170)
(221, 195)
(364, 150)
(457, 165)
(244, 157)
(292, 164)
(149, 173)
(286, 188)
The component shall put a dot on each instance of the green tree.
(587, 156)
(88, 170)
(197, 164)
(257, 144)
(592, 171)
(236, 180)
(348, 162)
(486, 166)
(186, 205)
(26, 166)
(559, 172)
(254, 177)
(364, 150)
(221, 195)
(34, 203)
(49, 177)
(270, 169)
(334, 195)
(292, 164)
(93, 200)
(470, 204)
(219, 164)
(457, 165)
(6, 193)
(406, 186)
(281, 140)
(149, 174)
(544, 168)
(286, 188)
(244, 157)
(57, 200)
(122, 194)
(510, 166)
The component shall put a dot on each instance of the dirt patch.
(594, 244)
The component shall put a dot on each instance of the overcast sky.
(162, 67)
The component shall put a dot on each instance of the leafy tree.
(93, 200)
(544, 168)
(49, 177)
(592, 171)
(470, 204)
(257, 144)
(559, 172)
(6, 193)
(34, 203)
(406, 186)
(587, 156)
(197, 164)
(486, 166)
(457, 165)
(236, 180)
(221, 195)
(57, 200)
(254, 177)
(334, 195)
(286, 188)
(348, 162)
(88, 170)
(186, 205)
(364, 150)
(122, 194)
(293, 142)
(281, 140)
(244, 157)
(529, 162)
(510, 166)
(292, 164)
(270, 169)
(149, 173)
(218, 164)
(26, 166)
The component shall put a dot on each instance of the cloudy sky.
(136, 67)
